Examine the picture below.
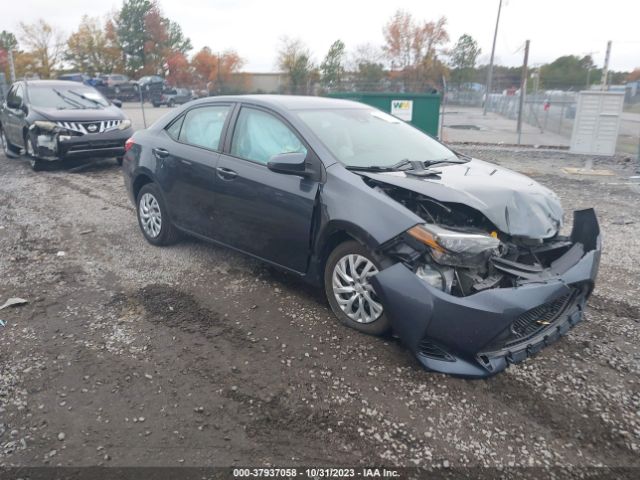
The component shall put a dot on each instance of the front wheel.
(350, 294)
(9, 150)
(153, 217)
(36, 164)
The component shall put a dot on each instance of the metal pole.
(444, 102)
(144, 117)
(490, 72)
(523, 88)
(12, 67)
(605, 71)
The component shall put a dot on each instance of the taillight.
(128, 144)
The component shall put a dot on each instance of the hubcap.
(150, 215)
(352, 289)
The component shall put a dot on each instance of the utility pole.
(12, 67)
(487, 90)
(523, 88)
(605, 71)
(444, 103)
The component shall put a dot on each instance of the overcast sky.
(254, 27)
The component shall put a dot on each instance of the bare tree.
(44, 44)
(294, 58)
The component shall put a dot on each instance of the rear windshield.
(66, 97)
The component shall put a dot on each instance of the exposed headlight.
(124, 124)
(450, 247)
(45, 125)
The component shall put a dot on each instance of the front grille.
(429, 349)
(534, 321)
(99, 126)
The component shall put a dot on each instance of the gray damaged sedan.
(463, 259)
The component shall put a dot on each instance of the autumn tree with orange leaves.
(411, 47)
(217, 73)
(93, 48)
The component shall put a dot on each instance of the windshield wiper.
(95, 102)
(460, 160)
(375, 168)
(69, 100)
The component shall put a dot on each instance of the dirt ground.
(194, 355)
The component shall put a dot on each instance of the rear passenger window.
(202, 126)
(174, 129)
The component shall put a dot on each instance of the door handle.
(186, 162)
(226, 173)
(160, 153)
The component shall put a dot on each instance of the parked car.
(52, 120)
(173, 96)
(462, 258)
(151, 86)
(75, 77)
(119, 86)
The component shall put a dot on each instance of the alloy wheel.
(150, 215)
(352, 290)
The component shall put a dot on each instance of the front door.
(14, 117)
(261, 212)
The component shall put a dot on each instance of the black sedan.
(463, 259)
(53, 120)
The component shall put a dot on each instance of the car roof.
(51, 83)
(287, 102)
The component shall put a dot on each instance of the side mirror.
(117, 103)
(289, 164)
(24, 108)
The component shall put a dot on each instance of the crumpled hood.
(514, 203)
(80, 115)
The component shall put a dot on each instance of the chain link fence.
(547, 111)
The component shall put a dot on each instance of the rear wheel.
(350, 294)
(171, 104)
(119, 160)
(153, 217)
(9, 150)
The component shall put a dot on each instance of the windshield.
(371, 138)
(66, 97)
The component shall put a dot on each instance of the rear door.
(188, 153)
(258, 211)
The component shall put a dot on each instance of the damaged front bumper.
(55, 145)
(481, 334)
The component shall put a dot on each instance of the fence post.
(144, 117)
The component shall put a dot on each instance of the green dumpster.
(422, 110)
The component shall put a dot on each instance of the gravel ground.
(128, 354)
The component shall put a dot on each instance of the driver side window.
(258, 136)
(14, 97)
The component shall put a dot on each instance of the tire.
(9, 150)
(37, 165)
(371, 321)
(155, 104)
(159, 235)
(119, 160)
(171, 104)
